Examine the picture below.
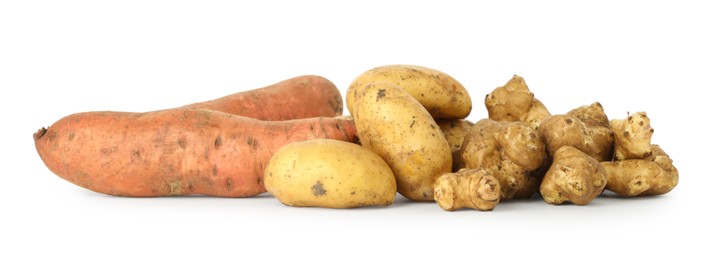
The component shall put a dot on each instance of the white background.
(63, 57)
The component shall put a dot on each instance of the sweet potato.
(299, 97)
(174, 152)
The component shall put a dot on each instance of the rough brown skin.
(173, 152)
(566, 130)
(299, 97)
(633, 136)
(467, 188)
(574, 176)
(455, 130)
(653, 175)
(515, 102)
(594, 117)
(639, 168)
(513, 152)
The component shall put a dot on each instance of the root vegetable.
(467, 188)
(455, 130)
(653, 175)
(294, 98)
(592, 138)
(394, 125)
(596, 120)
(515, 102)
(442, 96)
(511, 151)
(574, 176)
(639, 168)
(173, 152)
(633, 136)
(329, 173)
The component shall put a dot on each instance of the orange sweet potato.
(174, 152)
(298, 97)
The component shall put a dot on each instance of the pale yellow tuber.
(515, 102)
(595, 119)
(467, 188)
(512, 152)
(633, 136)
(639, 168)
(654, 175)
(574, 176)
(585, 128)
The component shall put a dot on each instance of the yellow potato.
(394, 125)
(329, 173)
(443, 96)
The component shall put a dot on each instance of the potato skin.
(331, 174)
(443, 96)
(394, 125)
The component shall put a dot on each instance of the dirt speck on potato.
(380, 94)
(318, 189)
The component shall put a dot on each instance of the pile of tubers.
(570, 157)
(520, 150)
(406, 134)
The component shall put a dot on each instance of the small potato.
(329, 173)
(394, 125)
(443, 96)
